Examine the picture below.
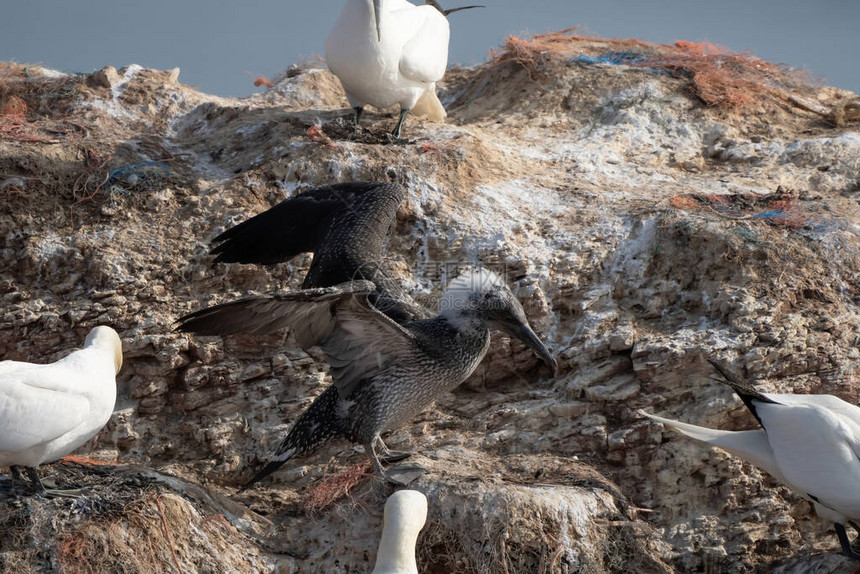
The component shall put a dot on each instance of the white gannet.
(810, 443)
(405, 515)
(388, 52)
(47, 411)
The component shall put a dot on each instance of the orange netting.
(32, 108)
(333, 488)
(718, 76)
(779, 209)
(263, 81)
(73, 459)
(13, 107)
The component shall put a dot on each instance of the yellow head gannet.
(47, 411)
(388, 52)
(810, 443)
(405, 514)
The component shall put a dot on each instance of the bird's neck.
(397, 552)
(465, 322)
(405, 515)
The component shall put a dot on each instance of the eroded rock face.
(642, 232)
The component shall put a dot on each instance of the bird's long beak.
(524, 333)
(377, 7)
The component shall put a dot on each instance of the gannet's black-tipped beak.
(377, 5)
(524, 333)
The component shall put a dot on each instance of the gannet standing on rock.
(405, 515)
(810, 443)
(47, 411)
(384, 373)
(388, 52)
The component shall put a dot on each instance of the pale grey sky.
(221, 46)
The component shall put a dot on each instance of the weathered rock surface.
(643, 232)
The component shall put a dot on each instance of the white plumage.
(388, 52)
(810, 443)
(47, 411)
(405, 515)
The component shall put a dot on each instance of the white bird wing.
(32, 413)
(818, 450)
(7, 368)
(425, 54)
(829, 402)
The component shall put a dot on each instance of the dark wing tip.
(200, 323)
(435, 5)
(217, 320)
(452, 10)
(739, 385)
(746, 393)
(266, 471)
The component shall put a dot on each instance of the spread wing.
(364, 342)
(32, 413)
(309, 313)
(425, 54)
(295, 225)
(358, 340)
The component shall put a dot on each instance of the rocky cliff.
(645, 223)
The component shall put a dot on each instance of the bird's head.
(106, 338)
(480, 294)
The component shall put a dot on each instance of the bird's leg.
(399, 126)
(388, 456)
(38, 487)
(40, 490)
(374, 460)
(844, 542)
(358, 111)
(16, 473)
(856, 528)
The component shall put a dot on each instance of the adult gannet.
(47, 411)
(383, 373)
(405, 515)
(388, 52)
(811, 443)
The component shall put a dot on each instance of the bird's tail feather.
(746, 393)
(318, 424)
(452, 10)
(269, 468)
(430, 106)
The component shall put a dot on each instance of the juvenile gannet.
(388, 52)
(47, 411)
(810, 443)
(384, 373)
(405, 515)
(344, 225)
